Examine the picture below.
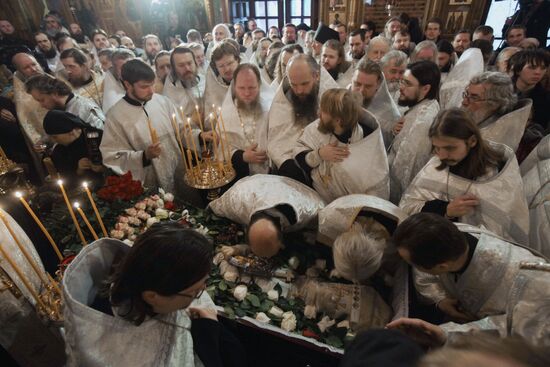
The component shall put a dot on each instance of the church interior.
(275, 182)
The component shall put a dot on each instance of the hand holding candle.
(152, 132)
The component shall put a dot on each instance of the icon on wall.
(460, 2)
(455, 21)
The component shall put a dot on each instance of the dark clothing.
(541, 108)
(12, 139)
(215, 345)
(535, 17)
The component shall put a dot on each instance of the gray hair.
(501, 94)
(358, 252)
(378, 39)
(502, 54)
(121, 54)
(422, 45)
(195, 46)
(399, 56)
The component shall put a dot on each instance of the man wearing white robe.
(224, 60)
(333, 59)
(269, 205)
(184, 85)
(394, 64)
(535, 171)
(491, 100)
(295, 106)
(332, 150)
(53, 93)
(469, 64)
(471, 180)
(477, 279)
(82, 79)
(244, 113)
(113, 88)
(369, 81)
(357, 46)
(128, 143)
(411, 147)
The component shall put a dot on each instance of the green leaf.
(222, 286)
(254, 300)
(245, 305)
(334, 341)
(266, 305)
(239, 312)
(229, 312)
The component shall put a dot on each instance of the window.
(272, 12)
(498, 12)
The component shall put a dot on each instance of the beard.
(393, 86)
(478, 116)
(408, 102)
(248, 107)
(190, 80)
(50, 54)
(326, 127)
(446, 68)
(305, 106)
(357, 55)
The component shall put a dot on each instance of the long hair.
(166, 259)
(340, 103)
(457, 123)
(179, 50)
(338, 47)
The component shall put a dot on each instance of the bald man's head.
(303, 77)
(264, 237)
(26, 64)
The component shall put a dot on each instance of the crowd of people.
(321, 123)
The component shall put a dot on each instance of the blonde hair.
(342, 104)
(358, 252)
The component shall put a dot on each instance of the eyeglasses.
(472, 98)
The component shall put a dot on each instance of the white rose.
(262, 317)
(161, 213)
(152, 221)
(141, 205)
(161, 191)
(185, 213)
(276, 311)
(117, 234)
(218, 258)
(293, 262)
(159, 204)
(201, 229)
(325, 323)
(128, 242)
(310, 311)
(231, 275)
(273, 295)
(240, 292)
(168, 197)
(289, 321)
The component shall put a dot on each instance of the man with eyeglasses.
(494, 107)
(224, 61)
(411, 148)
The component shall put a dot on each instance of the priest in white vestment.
(225, 59)
(269, 205)
(333, 59)
(53, 93)
(368, 80)
(24, 335)
(493, 104)
(113, 88)
(129, 143)
(295, 106)
(342, 152)
(244, 113)
(470, 180)
(184, 85)
(477, 279)
(411, 147)
(536, 181)
(469, 64)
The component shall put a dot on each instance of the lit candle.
(94, 207)
(85, 219)
(40, 225)
(71, 212)
(26, 254)
(225, 138)
(180, 144)
(152, 131)
(22, 277)
(193, 143)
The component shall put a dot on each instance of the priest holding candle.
(139, 134)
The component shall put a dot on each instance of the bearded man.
(82, 79)
(295, 106)
(45, 46)
(394, 64)
(224, 61)
(152, 46)
(357, 44)
(113, 88)
(333, 59)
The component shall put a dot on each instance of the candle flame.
(60, 182)
(18, 195)
(173, 115)
(76, 204)
(84, 184)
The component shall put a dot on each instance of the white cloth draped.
(541, 152)
(187, 98)
(353, 175)
(509, 128)
(470, 64)
(261, 192)
(344, 79)
(29, 112)
(87, 110)
(215, 89)
(502, 206)
(94, 338)
(411, 148)
(283, 131)
(113, 91)
(386, 111)
(253, 129)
